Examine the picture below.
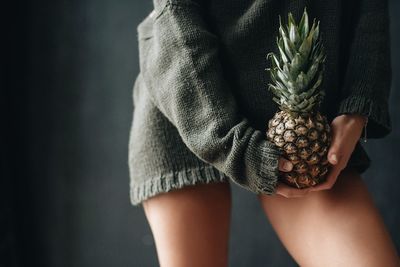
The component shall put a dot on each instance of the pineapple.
(299, 130)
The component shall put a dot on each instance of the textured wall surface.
(70, 181)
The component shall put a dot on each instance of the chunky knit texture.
(201, 103)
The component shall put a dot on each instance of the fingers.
(333, 157)
(290, 192)
(285, 190)
(337, 157)
(285, 165)
(332, 175)
(330, 180)
(334, 152)
(343, 141)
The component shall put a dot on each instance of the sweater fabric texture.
(201, 103)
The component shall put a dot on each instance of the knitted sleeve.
(368, 74)
(182, 74)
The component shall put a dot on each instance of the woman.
(201, 109)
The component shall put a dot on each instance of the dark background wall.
(67, 74)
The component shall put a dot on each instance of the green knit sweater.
(201, 103)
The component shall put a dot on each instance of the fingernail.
(287, 166)
(334, 158)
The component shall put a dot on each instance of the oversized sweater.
(200, 100)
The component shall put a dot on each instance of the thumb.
(333, 155)
(333, 158)
(285, 165)
(334, 148)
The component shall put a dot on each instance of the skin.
(333, 224)
(191, 225)
(336, 227)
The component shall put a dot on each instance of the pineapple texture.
(304, 141)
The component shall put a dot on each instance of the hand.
(285, 190)
(346, 131)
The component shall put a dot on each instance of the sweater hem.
(174, 180)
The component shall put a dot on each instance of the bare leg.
(337, 227)
(191, 225)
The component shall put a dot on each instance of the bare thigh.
(191, 225)
(337, 227)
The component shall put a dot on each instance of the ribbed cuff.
(379, 123)
(260, 174)
(269, 168)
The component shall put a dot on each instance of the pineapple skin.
(304, 139)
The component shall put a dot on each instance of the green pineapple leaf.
(297, 69)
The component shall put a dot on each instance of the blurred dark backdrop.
(67, 75)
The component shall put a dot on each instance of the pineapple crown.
(297, 72)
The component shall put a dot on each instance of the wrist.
(360, 119)
(356, 119)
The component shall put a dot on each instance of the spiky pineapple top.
(298, 70)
